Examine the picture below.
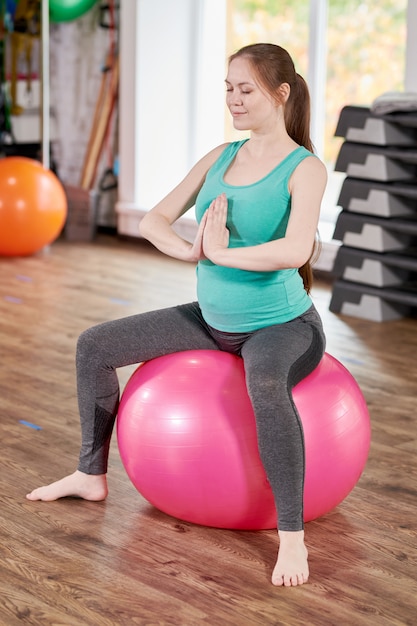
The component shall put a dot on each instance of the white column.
(171, 111)
(410, 81)
(45, 74)
(317, 65)
(128, 102)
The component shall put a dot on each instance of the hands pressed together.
(212, 235)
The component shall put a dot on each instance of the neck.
(269, 143)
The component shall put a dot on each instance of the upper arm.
(307, 186)
(184, 195)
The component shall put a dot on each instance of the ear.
(284, 91)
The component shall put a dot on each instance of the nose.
(234, 97)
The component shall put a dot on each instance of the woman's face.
(251, 107)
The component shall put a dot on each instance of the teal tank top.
(235, 300)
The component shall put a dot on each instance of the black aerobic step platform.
(375, 233)
(375, 268)
(373, 303)
(377, 163)
(359, 124)
(376, 198)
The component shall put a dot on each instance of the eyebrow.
(240, 84)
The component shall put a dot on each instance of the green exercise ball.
(68, 10)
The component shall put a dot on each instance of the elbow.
(299, 257)
(141, 229)
(144, 228)
(302, 259)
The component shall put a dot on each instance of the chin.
(240, 125)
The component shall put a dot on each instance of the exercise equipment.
(106, 105)
(33, 206)
(68, 10)
(187, 439)
(25, 30)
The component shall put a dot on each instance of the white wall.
(171, 96)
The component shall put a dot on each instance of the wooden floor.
(122, 562)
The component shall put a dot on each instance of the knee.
(88, 342)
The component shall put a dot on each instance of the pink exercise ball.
(187, 439)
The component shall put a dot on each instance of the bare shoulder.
(314, 165)
(211, 157)
(310, 170)
(197, 174)
(183, 196)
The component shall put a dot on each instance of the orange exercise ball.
(33, 206)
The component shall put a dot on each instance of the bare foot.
(86, 486)
(291, 568)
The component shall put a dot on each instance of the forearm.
(291, 251)
(267, 257)
(156, 229)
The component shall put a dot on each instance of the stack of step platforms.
(376, 265)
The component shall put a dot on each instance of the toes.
(289, 581)
(299, 579)
(278, 580)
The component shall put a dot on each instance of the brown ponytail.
(274, 66)
(297, 113)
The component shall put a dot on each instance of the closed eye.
(243, 91)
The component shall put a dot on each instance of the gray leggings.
(276, 358)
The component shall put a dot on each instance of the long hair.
(273, 66)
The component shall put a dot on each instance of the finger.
(203, 220)
(218, 208)
(222, 203)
